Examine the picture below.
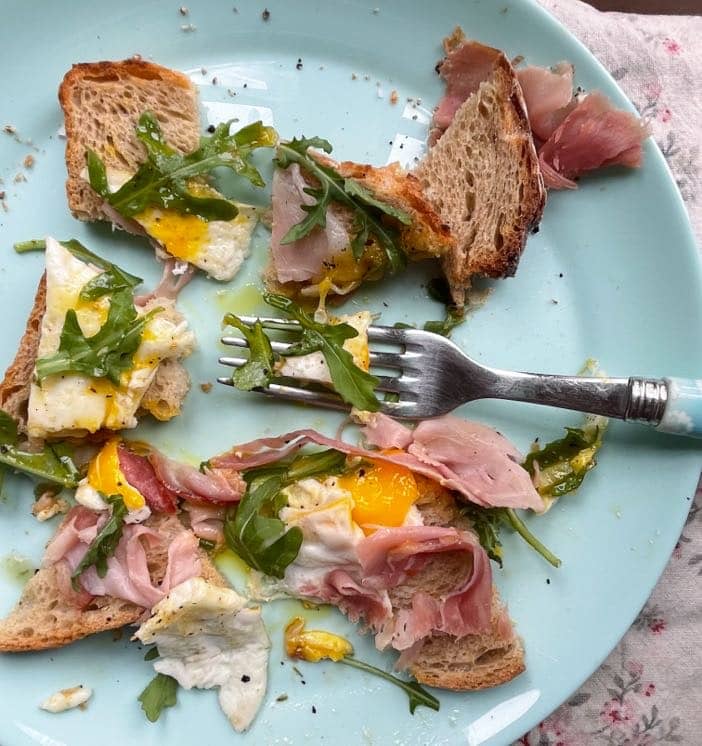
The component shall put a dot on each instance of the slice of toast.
(483, 178)
(163, 399)
(475, 661)
(43, 618)
(427, 235)
(102, 103)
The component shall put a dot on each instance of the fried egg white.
(208, 638)
(334, 515)
(313, 367)
(74, 404)
(218, 247)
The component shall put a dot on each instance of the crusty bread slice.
(483, 178)
(472, 662)
(43, 618)
(102, 103)
(14, 388)
(163, 399)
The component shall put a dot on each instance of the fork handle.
(672, 405)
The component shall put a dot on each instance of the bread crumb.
(394, 97)
(48, 505)
(19, 178)
(231, 92)
(188, 27)
(9, 129)
(183, 10)
(375, 11)
(28, 161)
(203, 71)
(206, 387)
(266, 14)
(354, 76)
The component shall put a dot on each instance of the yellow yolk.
(183, 236)
(314, 645)
(105, 475)
(382, 494)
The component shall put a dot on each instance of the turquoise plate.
(613, 274)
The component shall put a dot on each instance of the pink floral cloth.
(650, 688)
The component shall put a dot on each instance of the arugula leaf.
(110, 351)
(438, 290)
(258, 371)
(151, 654)
(54, 463)
(255, 532)
(417, 694)
(85, 255)
(368, 211)
(8, 428)
(561, 465)
(163, 179)
(104, 544)
(160, 692)
(454, 317)
(487, 523)
(354, 386)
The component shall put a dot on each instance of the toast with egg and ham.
(102, 103)
(482, 172)
(474, 661)
(162, 398)
(50, 613)
(322, 262)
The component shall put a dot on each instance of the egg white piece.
(75, 404)
(218, 247)
(207, 637)
(323, 512)
(67, 699)
(313, 367)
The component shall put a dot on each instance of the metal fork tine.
(273, 322)
(385, 334)
(291, 393)
(233, 362)
(281, 347)
(387, 359)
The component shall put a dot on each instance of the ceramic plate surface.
(612, 274)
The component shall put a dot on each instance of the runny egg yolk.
(382, 494)
(183, 236)
(105, 475)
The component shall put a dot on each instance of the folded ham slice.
(470, 458)
(142, 476)
(127, 574)
(548, 94)
(217, 486)
(303, 259)
(593, 135)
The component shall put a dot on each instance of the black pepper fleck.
(211, 128)
(266, 14)
(548, 581)
(298, 66)
(245, 678)
(314, 710)
(560, 274)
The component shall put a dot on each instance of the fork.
(434, 376)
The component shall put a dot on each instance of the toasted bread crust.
(102, 102)
(427, 235)
(14, 389)
(44, 619)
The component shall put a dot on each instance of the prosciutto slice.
(467, 457)
(303, 259)
(127, 574)
(217, 486)
(548, 94)
(593, 135)
(206, 521)
(142, 476)
(176, 275)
